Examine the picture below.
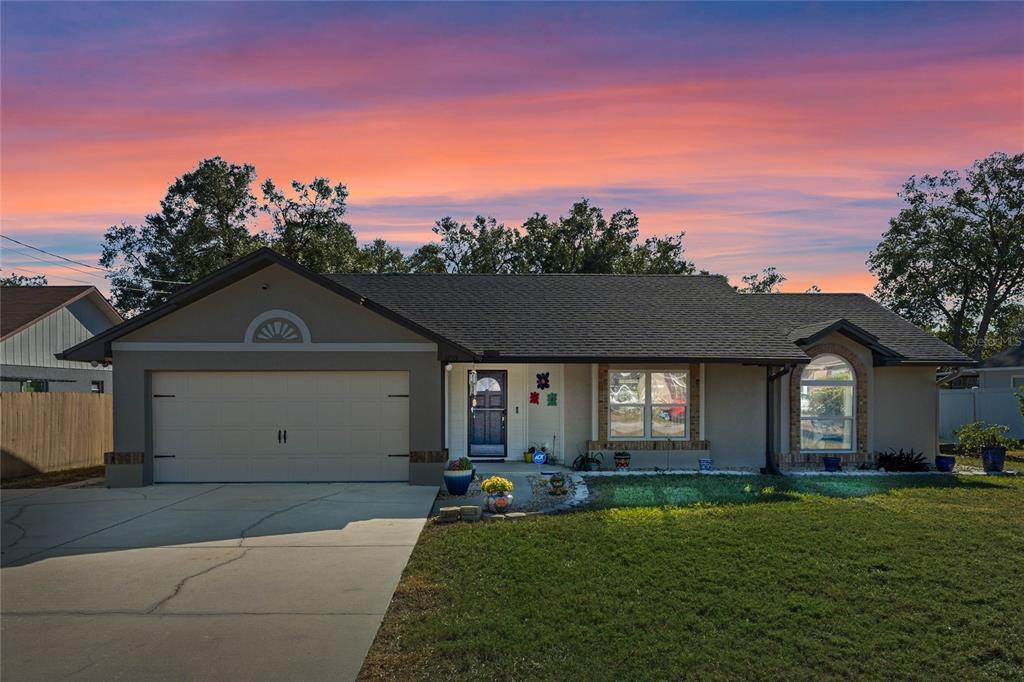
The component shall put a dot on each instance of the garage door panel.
(222, 426)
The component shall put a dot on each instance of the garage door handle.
(162, 456)
(286, 435)
(405, 455)
(279, 435)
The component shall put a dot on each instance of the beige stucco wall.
(577, 409)
(906, 409)
(735, 413)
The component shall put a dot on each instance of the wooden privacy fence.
(42, 432)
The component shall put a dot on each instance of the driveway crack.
(244, 534)
(181, 583)
(22, 529)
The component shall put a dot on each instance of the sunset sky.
(774, 134)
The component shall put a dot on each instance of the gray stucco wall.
(224, 316)
(62, 380)
(734, 415)
(906, 409)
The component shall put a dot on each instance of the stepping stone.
(449, 514)
(471, 513)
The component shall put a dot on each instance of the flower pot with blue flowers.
(499, 494)
(458, 475)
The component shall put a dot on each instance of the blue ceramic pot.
(705, 464)
(457, 482)
(945, 463)
(993, 457)
(831, 463)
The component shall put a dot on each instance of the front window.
(827, 399)
(647, 404)
(96, 387)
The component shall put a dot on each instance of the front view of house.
(265, 371)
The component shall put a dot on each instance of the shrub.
(976, 435)
(496, 485)
(460, 464)
(901, 461)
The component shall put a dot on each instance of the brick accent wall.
(795, 458)
(603, 443)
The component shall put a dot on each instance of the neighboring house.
(265, 371)
(992, 397)
(38, 322)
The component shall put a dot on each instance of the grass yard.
(790, 578)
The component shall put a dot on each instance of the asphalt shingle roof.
(630, 316)
(20, 306)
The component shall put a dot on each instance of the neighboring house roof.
(21, 307)
(595, 317)
(1011, 357)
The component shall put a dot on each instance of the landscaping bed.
(53, 478)
(885, 577)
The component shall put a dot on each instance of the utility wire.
(78, 262)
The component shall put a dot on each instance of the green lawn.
(872, 578)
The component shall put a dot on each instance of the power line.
(57, 265)
(78, 281)
(78, 262)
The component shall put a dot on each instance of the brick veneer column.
(795, 457)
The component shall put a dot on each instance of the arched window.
(827, 402)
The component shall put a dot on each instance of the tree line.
(207, 218)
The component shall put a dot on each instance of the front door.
(488, 414)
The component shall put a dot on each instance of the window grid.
(649, 407)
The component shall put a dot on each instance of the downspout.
(769, 461)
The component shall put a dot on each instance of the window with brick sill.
(648, 404)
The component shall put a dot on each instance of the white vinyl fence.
(964, 405)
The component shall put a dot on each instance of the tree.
(661, 256)
(203, 224)
(954, 255)
(486, 246)
(582, 241)
(426, 259)
(309, 227)
(16, 280)
(378, 257)
(768, 281)
(813, 289)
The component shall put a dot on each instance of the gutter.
(769, 461)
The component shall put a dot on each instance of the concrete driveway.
(189, 582)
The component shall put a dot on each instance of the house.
(266, 371)
(990, 396)
(36, 323)
(1005, 370)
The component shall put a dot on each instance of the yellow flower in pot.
(499, 494)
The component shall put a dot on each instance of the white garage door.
(280, 426)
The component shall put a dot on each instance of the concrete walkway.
(227, 582)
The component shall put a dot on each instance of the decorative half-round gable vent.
(277, 330)
(277, 326)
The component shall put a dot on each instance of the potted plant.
(557, 483)
(945, 463)
(622, 459)
(528, 454)
(588, 462)
(832, 464)
(988, 441)
(499, 494)
(458, 475)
